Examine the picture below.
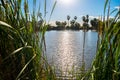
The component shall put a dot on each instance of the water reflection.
(65, 48)
(66, 56)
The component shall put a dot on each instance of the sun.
(66, 2)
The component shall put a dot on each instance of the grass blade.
(45, 5)
(25, 67)
(16, 51)
(52, 10)
(113, 11)
(105, 6)
(5, 24)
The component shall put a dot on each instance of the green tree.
(77, 26)
(94, 23)
(61, 25)
(58, 23)
(72, 23)
(64, 24)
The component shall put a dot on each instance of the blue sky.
(76, 8)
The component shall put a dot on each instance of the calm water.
(65, 48)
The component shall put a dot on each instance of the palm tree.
(68, 18)
(85, 20)
(75, 18)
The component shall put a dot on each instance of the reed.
(21, 46)
(106, 65)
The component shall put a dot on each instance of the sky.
(79, 8)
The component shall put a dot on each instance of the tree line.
(72, 24)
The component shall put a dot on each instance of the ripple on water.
(64, 49)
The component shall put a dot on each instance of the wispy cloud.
(91, 17)
(117, 7)
(94, 17)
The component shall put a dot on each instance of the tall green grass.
(106, 65)
(21, 47)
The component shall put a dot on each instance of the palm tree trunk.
(68, 23)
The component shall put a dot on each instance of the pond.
(64, 49)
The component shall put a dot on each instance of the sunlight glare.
(66, 2)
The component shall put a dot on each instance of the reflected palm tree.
(85, 24)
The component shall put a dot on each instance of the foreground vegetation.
(22, 48)
(106, 65)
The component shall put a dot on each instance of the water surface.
(65, 48)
